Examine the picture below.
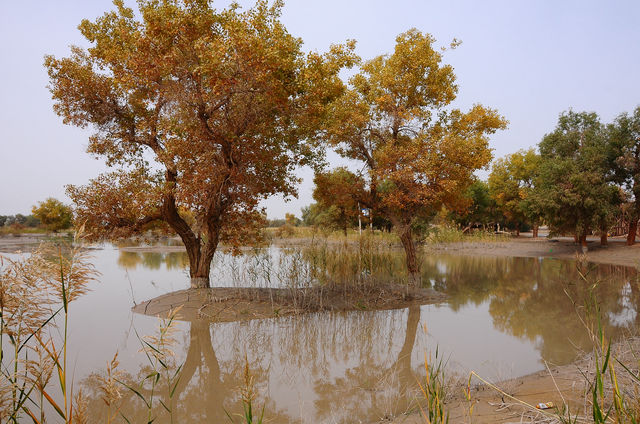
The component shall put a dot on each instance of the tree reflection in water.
(539, 300)
(152, 260)
(330, 366)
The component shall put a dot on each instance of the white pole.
(359, 219)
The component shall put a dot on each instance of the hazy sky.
(530, 60)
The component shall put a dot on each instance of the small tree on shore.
(338, 193)
(511, 185)
(53, 214)
(420, 155)
(203, 111)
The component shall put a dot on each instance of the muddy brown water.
(505, 317)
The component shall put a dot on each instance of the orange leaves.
(434, 167)
(117, 205)
(221, 101)
(342, 189)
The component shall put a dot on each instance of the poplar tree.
(202, 113)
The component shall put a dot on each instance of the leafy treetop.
(53, 214)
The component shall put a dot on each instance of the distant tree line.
(289, 219)
(19, 220)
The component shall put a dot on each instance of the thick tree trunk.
(406, 237)
(200, 270)
(633, 230)
(200, 252)
(535, 231)
(200, 265)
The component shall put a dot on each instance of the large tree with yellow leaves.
(202, 112)
(419, 152)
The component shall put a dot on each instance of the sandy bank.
(617, 253)
(566, 384)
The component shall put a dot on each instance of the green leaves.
(573, 187)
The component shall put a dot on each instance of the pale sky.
(530, 60)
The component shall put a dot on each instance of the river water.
(505, 317)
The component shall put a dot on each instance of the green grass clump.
(434, 391)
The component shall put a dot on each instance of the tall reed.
(34, 291)
(247, 395)
(158, 350)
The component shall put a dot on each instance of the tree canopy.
(481, 207)
(624, 156)
(338, 193)
(202, 112)
(573, 187)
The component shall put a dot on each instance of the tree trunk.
(633, 230)
(576, 239)
(583, 243)
(200, 270)
(603, 238)
(518, 229)
(200, 252)
(535, 231)
(406, 237)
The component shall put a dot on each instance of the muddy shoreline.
(227, 304)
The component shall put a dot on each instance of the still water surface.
(504, 318)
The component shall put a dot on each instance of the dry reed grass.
(35, 293)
